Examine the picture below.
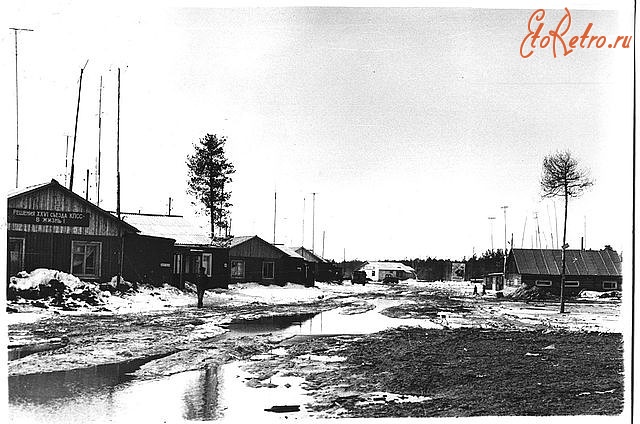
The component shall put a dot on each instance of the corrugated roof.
(578, 262)
(171, 226)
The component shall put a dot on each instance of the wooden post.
(121, 259)
(86, 190)
(275, 207)
(75, 130)
(99, 141)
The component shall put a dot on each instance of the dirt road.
(473, 356)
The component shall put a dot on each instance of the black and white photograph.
(353, 211)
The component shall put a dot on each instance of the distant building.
(320, 269)
(585, 269)
(256, 260)
(376, 271)
(49, 226)
(192, 252)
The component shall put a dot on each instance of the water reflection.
(108, 393)
(329, 322)
(268, 324)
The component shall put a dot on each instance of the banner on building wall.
(45, 217)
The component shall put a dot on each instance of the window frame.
(273, 268)
(577, 283)
(241, 261)
(98, 266)
(22, 250)
(209, 271)
(537, 284)
(615, 285)
(177, 263)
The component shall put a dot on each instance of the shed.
(598, 270)
(256, 260)
(50, 226)
(193, 249)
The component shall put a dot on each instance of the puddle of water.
(108, 393)
(329, 323)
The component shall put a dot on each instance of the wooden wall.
(53, 198)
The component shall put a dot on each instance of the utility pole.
(275, 209)
(491, 218)
(523, 232)
(304, 207)
(538, 240)
(75, 131)
(504, 267)
(313, 225)
(99, 141)
(169, 206)
(323, 243)
(66, 160)
(585, 231)
(15, 34)
(118, 184)
(86, 190)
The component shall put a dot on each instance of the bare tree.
(563, 177)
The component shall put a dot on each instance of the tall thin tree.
(563, 177)
(209, 171)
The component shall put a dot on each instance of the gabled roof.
(56, 185)
(288, 251)
(308, 255)
(578, 262)
(176, 227)
(236, 240)
(390, 266)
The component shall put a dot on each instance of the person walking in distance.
(201, 284)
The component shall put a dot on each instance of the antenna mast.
(15, 34)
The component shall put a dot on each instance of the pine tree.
(209, 173)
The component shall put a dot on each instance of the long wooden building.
(49, 226)
(193, 251)
(256, 260)
(598, 270)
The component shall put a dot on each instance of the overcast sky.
(413, 125)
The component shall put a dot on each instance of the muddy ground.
(485, 356)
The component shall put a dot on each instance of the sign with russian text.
(44, 217)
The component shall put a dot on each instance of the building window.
(207, 263)
(543, 283)
(177, 263)
(373, 272)
(268, 269)
(609, 285)
(85, 258)
(16, 255)
(237, 269)
(572, 284)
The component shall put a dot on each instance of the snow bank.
(273, 294)
(41, 277)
